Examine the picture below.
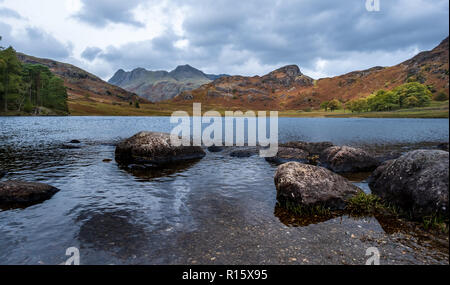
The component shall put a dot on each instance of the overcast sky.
(251, 37)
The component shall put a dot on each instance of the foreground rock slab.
(308, 185)
(342, 159)
(24, 193)
(152, 148)
(417, 182)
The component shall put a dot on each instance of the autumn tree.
(334, 105)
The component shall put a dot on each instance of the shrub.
(441, 96)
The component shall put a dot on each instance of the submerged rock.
(416, 182)
(342, 159)
(242, 153)
(443, 146)
(312, 148)
(70, 146)
(2, 173)
(215, 148)
(24, 193)
(151, 148)
(308, 185)
(75, 141)
(286, 154)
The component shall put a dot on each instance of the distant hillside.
(83, 86)
(161, 85)
(288, 89)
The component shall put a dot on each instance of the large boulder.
(24, 193)
(342, 159)
(416, 182)
(286, 154)
(308, 185)
(154, 149)
(313, 148)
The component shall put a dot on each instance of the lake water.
(219, 210)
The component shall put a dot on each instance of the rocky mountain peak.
(138, 71)
(290, 70)
(186, 72)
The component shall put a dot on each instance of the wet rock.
(70, 146)
(416, 182)
(24, 193)
(286, 154)
(443, 146)
(75, 141)
(308, 185)
(311, 147)
(242, 153)
(107, 160)
(2, 173)
(151, 148)
(116, 232)
(382, 158)
(151, 171)
(215, 148)
(342, 159)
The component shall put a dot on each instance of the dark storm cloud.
(297, 32)
(100, 13)
(35, 42)
(90, 53)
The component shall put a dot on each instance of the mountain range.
(161, 85)
(288, 89)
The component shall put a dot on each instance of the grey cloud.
(223, 34)
(158, 53)
(35, 42)
(100, 13)
(298, 32)
(90, 53)
(6, 12)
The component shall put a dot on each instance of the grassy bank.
(435, 110)
(93, 108)
(42, 111)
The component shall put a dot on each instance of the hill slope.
(83, 86)
(161, 85)
(287, 88)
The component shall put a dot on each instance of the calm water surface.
(219, 210)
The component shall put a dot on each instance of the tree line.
(29, 88)
(408, 95)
